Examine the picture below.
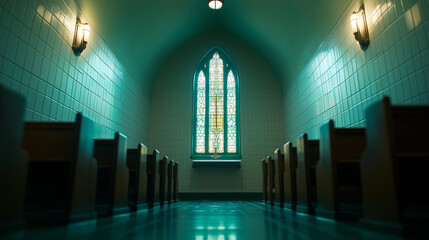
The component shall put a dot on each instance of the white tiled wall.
(341, 79)
(36, 60)
(260, 109)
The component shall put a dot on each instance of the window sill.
(216, 163)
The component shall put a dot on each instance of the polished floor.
(204, 221)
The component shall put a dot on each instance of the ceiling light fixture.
(215, 4)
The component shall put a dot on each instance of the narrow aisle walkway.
(204, 221)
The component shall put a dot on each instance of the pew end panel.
(138, 178)
(279, 175)
(133, 180)
(338, 172)
(163, 193)
(152, 169)
(264, 167)
(176, 181)
(376, 167)
(143, 177)
(290, 159)
(271, 180)
(394, 167)
(113, 175)
(85, 178)
(13, 162)
(122, 174)
(307, 157)
(170, 181)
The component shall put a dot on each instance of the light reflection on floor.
(204, 221)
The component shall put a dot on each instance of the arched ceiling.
(144, 34)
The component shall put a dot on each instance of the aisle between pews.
(203, 221)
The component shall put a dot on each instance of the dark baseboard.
(216, 163)
(222, 196)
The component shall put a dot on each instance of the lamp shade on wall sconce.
(360, 28)
(215, 4)
(81, 37)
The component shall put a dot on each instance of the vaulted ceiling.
(143, 34)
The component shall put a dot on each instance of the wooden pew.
(338, 172)
(289, 177)
(264, 168)
(279, 176)
(163, 189)
(170, 181)
(62, 173)
(176, 182)
(13, 161)
(112, 177)
(307, 157)
(138, 177)
(271, 181)
(394, 168)
(152, 169)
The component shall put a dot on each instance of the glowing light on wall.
(81, 37)
(360, 28)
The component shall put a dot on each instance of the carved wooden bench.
(170, 181)
(394, 168)
(163, 188)
(289, 177)
(279, 176)
(264, 168)
(307, 157)
(112, 177)
(176, 181)
(138, 178)
(338, 172)
(62, 173)
(271, 180)
(152, 169)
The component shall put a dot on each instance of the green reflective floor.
(204, 221)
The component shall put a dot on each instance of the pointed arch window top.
(216, 128)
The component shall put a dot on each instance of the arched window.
(216, 115)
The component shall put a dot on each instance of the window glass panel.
(231, 114)
(216, 134)
(201, 112)
(216, 111)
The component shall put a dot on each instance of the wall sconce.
(81, 37)
(360, 28)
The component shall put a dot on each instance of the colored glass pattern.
(216, 101)
(231, 114)
(216, 109)
(201, 113)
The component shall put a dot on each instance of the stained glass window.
(216, 104)
(216, 132)
(201, 112)
(231, 112)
